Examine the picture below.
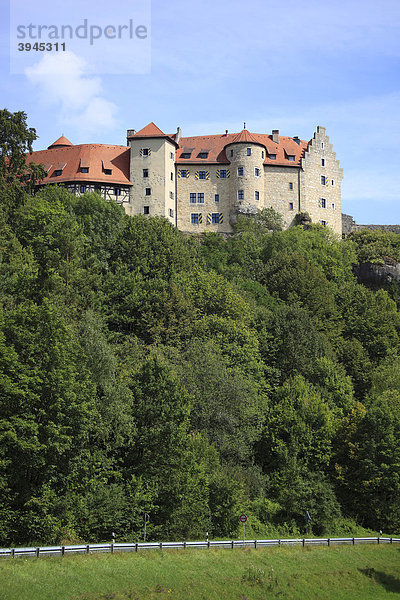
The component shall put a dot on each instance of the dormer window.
(84, 169)
(107, 171)
(291, 157)
(203, 154)
(272, 156)
(187, 152)
(57, 172)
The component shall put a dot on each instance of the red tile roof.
(151, 130)
(244, 136)
(217, 154)
(62, 141)
(71, 158)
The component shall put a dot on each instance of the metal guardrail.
(135, 547)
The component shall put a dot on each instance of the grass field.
(337, 573)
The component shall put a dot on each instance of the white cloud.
(64, 80)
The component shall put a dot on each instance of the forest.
(190, 378)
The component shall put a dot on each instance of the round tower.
(246, 155)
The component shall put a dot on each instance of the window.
(290, 185)
(323, 223)
(333, 206)
(256, 195)
(322, 162)
(222, 173)
(322, 203)
(248, 151)
(186, 154)
(262, 154)
(333, 182)
(323, 180)
(200, 198)
(202, 174)
(83, 189)
(290, 205)
(84, 169)
(184, 173)
(171, 212)
(257, 172)
(171, 195)
(231, 152)
(117, 191)
(145, 152)
(171, 154)
(172, 176)
(214, 218)
(240, 194)
(107, 171)
(146, 210)
(322, 145)
(291, 157)
(148, 191)
(192, 198)
(203, 154)
(216, 197)
(58, 172)
(240, 171)
(145, 172)
(272, 156)
(194, 217)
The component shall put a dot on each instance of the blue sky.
(216, 63)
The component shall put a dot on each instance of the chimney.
(178, 135)
(226, 132)
(275, 136)
(297, 140)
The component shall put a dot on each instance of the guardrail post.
(160, 545)
(354, 541)
(208, 543)
(62, 550)
(255, 543)
(112, 548)
(304, 542)
(279, 542)
(184, 545)
(232, 544)
(329, 541)
(391, 540)
(136, 547)
(87, 549)
(12, 552)
(378, 540)
(37, 552)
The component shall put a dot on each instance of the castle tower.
(246, 155)
(152, 172)
(320, 182)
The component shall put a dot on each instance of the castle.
(203, 183)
